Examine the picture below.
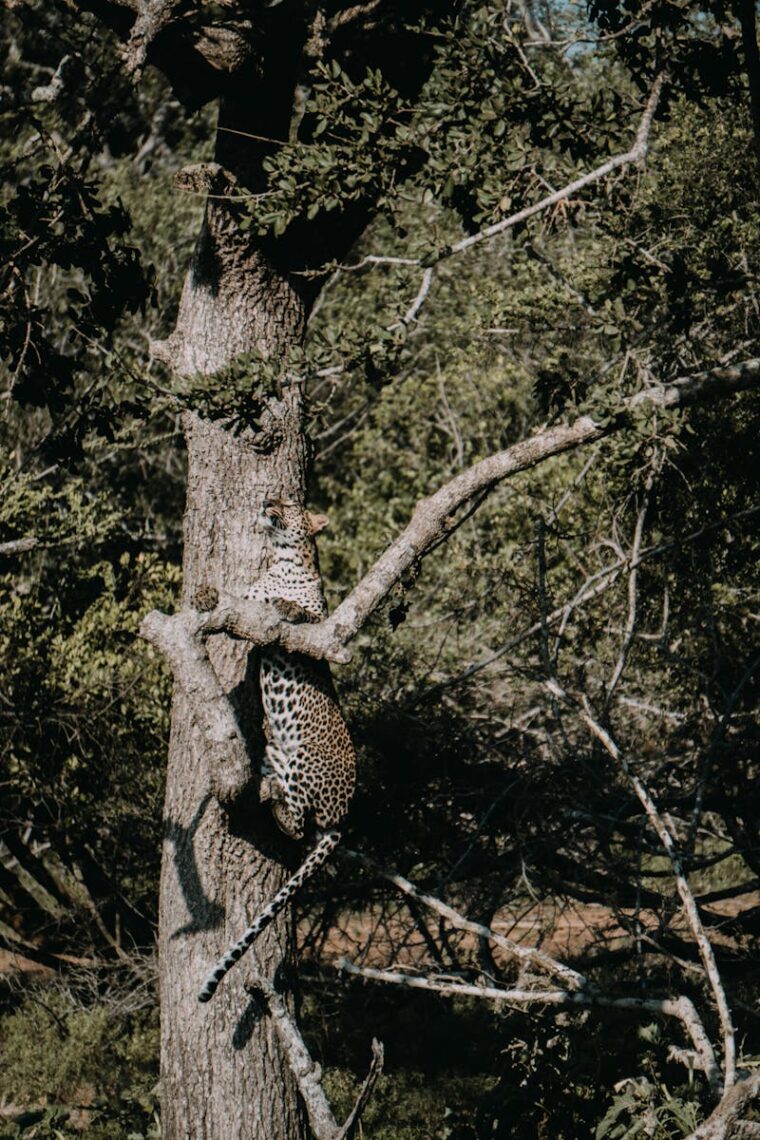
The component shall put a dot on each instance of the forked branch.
(308, 1073)
(680, 1008)
(526, 955)
(434, 518)
(691, 909)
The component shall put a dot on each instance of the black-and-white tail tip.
(327, 844)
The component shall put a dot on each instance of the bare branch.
(413, 310)
(365, 1092)
(19, 545)
(533, 25)
(681, 1008)
(308, 1073)
(257, 622)
(433, 518)
(634, 561)
(227, 759)
(46, 93)
(525, 954)
(724, 1123)
(454, 988)
(595, 585)
(152, 16)
(687, 898)
(636, 154)
(50, 91)
(263, 624)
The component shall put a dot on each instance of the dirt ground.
(377, 938)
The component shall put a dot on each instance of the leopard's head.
(289, 524)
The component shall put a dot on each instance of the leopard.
(308, 772)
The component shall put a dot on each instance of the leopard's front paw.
(291, 611)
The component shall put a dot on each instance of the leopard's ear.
(316, 522)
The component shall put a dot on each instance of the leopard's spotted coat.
(309, 767)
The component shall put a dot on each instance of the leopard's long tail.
(327, 844)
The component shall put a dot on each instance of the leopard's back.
(309, 751)
(304, 724)
(309, 766)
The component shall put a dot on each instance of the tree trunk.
(224, 1077)
(223, 1073)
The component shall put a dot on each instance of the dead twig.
(308, 1073)
(680, 1008)
(684, 890)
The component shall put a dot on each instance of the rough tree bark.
(224, 1074)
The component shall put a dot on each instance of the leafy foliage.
(96, 1057)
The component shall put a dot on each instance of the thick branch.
(432, 522)
(433, 518)
(180, 638)
(227, 758)
(724, 1122)
(152, 16)
(18, 545)
(264, 624)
